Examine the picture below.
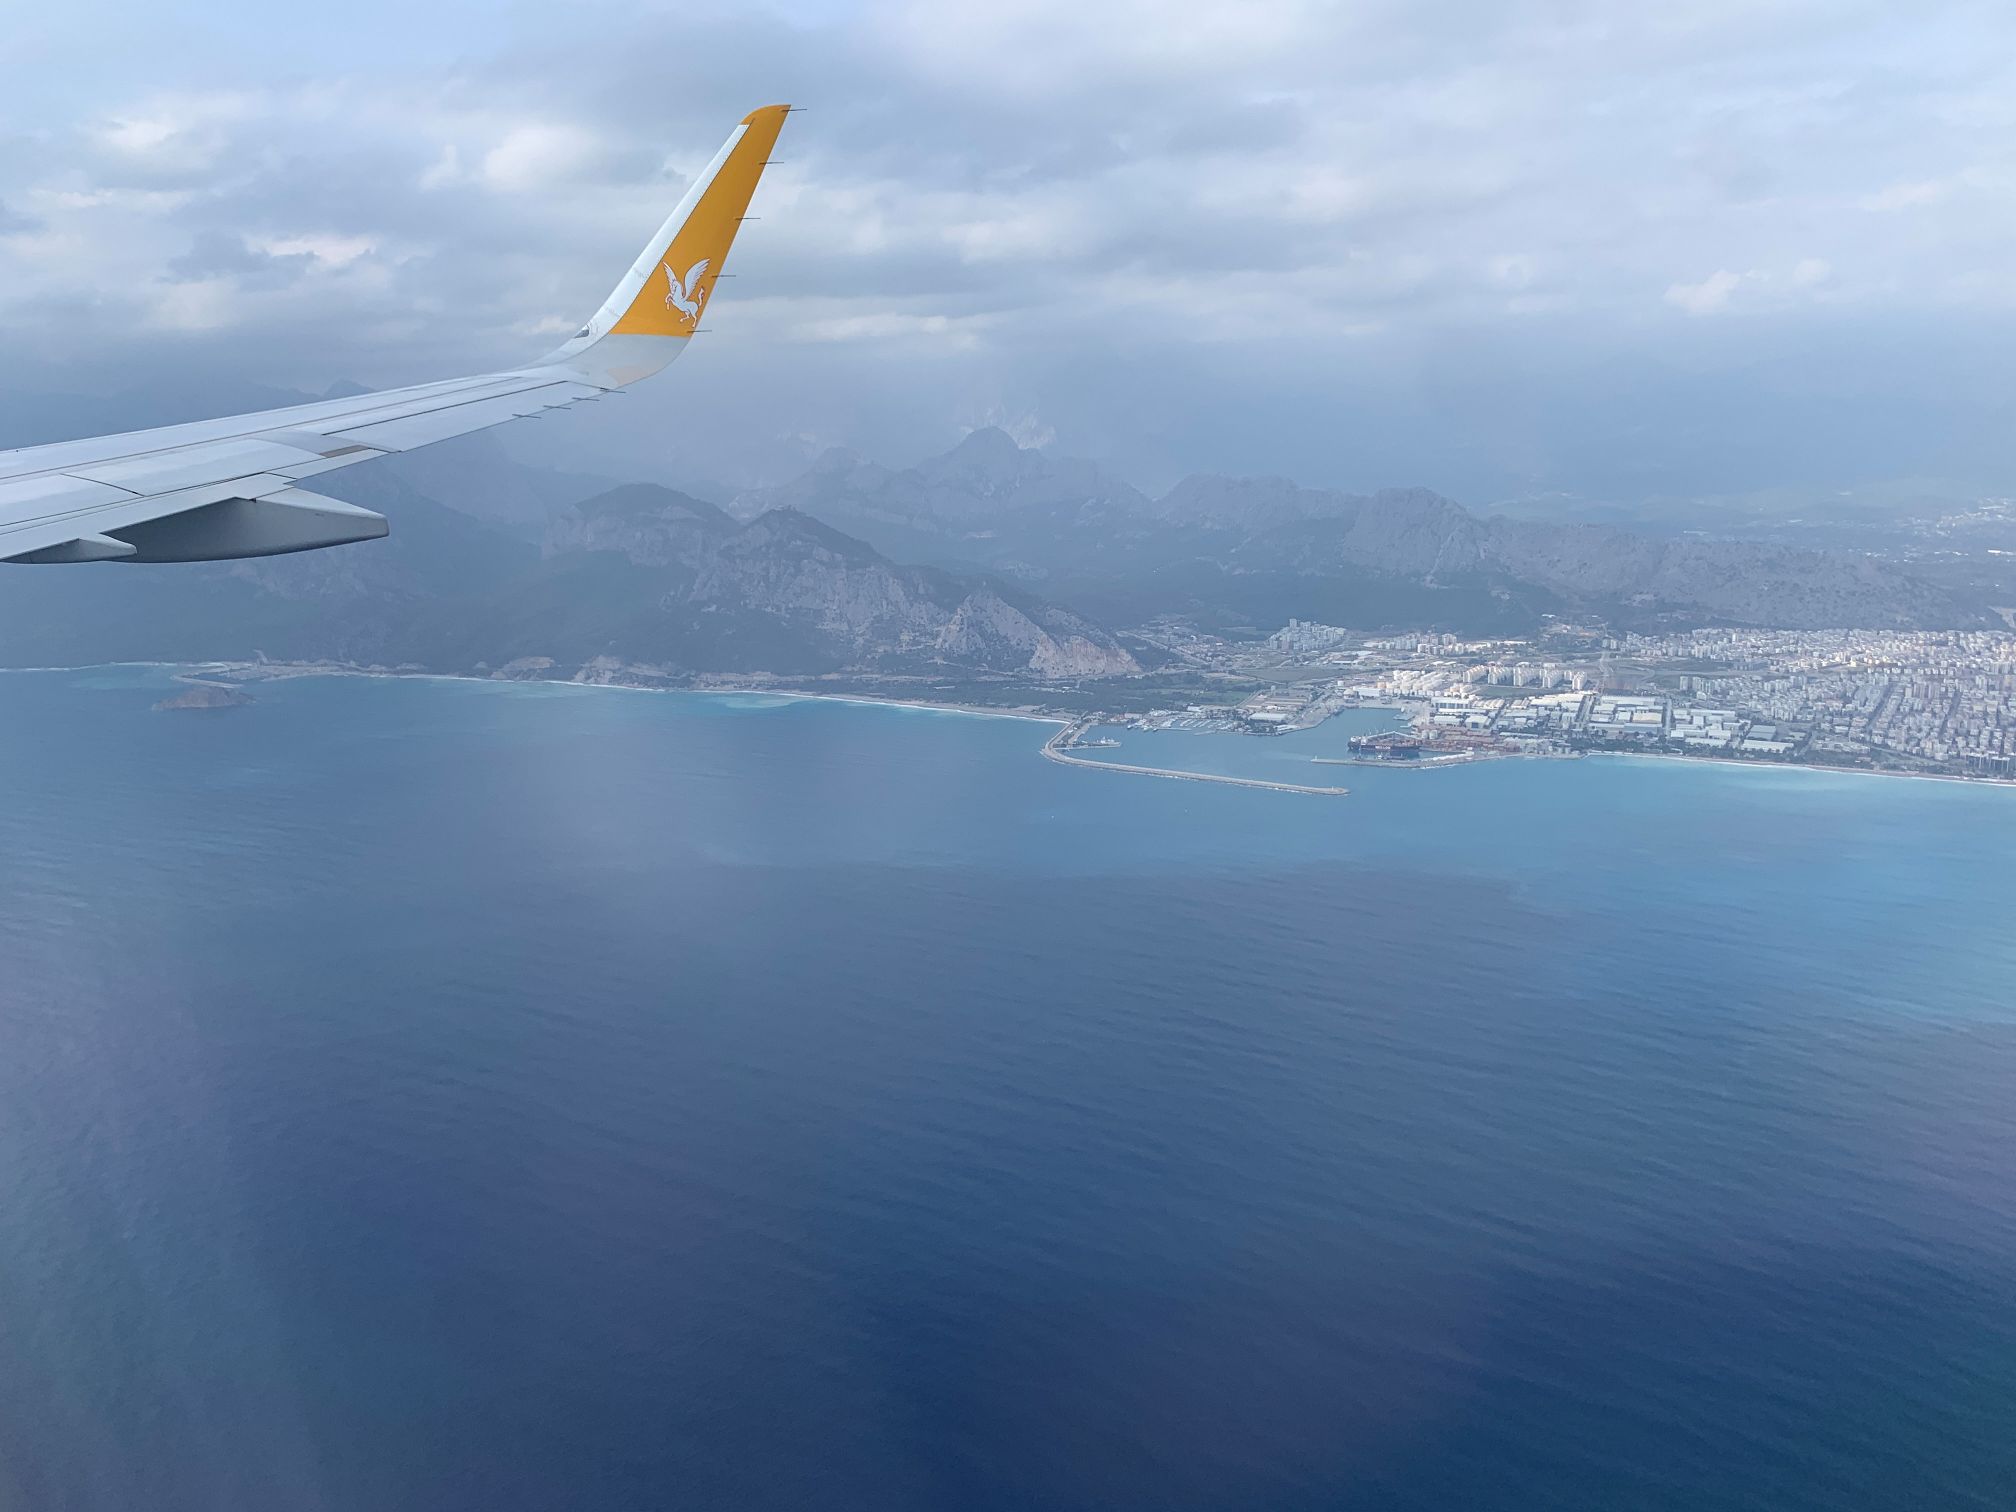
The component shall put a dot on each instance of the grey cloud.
(219, 254)
(1398, 243)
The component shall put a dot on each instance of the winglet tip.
(668, 285)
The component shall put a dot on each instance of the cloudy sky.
(1501, 249)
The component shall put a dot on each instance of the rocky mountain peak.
(836, 459)
(986, 463)
(794, 532)
(650, 525)
(988, 444)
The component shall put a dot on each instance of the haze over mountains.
(1262, 550)
(989, 559)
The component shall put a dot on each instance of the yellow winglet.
(645, 321)
(676, 289)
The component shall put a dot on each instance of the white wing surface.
(219, 489)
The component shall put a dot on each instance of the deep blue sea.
(427, 1095)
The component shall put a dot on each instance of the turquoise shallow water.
(447, 1095)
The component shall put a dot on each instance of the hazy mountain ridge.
(492, 561)
(983, 482)
(1066, 527)
(839, 601)
(808, 578)
(638, 576)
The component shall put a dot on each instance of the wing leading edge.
(219, 489)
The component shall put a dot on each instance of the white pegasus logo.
(683, 294)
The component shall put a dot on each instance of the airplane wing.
(220, 489)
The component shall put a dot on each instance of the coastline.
(288, 671)
(1806, 766)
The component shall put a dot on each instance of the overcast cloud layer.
(1614, 250)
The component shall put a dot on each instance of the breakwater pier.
(1062, 747)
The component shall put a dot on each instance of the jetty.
(1061, 748)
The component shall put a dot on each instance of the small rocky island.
(207, 695)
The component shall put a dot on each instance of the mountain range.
(990, 560)
(1263, 550)
(635, 581)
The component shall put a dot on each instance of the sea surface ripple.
(437, 1095)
